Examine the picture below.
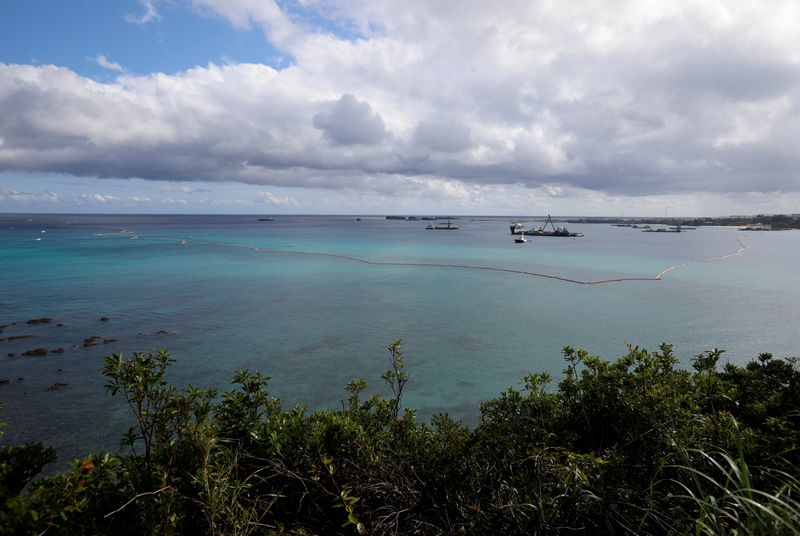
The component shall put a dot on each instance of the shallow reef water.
(313, 301)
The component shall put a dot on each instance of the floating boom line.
(351, 258)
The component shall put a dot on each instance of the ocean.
(313, 302)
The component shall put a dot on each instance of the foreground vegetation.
(633, 446)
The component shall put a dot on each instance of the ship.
(406, 218)
(518, 229)
(678, 228)
(447, 227)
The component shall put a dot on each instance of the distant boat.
(266, 219)
(517, 228)
(520, 239)
(404, 218)
(446, 227)
(674, 229)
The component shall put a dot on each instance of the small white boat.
(520, 239)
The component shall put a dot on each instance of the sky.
(586, 107)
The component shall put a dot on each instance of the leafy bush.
(632, 446)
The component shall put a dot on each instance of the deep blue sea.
(232, 292)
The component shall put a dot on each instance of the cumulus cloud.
(277, 26)
(349, 121)
(647, 98)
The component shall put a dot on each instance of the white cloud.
(752, 122)
(224, 202)
(150, 14)
(181, 189)
(16, 196)
(273, 199)
(105, 63)
(98, 198)
(267, 14)
(646, 99)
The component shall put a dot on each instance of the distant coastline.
(775, 222)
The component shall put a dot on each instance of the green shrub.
(632, 446)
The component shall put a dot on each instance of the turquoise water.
(245, 294)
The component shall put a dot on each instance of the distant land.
(773, 222)
(760, 222)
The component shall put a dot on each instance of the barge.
(518, 229)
